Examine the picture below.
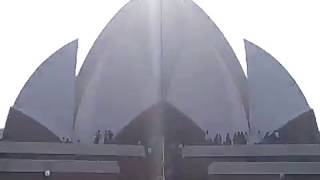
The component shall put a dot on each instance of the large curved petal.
(48, 95)
(229, 57)
(275, 98)
(141, 59)
(121, 75)
(204, 77)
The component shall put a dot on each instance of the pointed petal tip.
(248, 44)
(245, 40)
(251, 49)
(74, 43)
(70, 46)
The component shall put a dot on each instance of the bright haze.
(32, 30)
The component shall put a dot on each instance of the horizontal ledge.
(72, 149)
(272, 150)
(264, 168)
(59, 166)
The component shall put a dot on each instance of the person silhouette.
(277, 135)
(266, 138)
(237, 138)
(105, 137)
(246, 138)
(228, 139)
(219, 139)
(234, 139)
(97, 137)
(207, 136)
(242, 138)
(259, 137)
(275, 138)
(110, 135)
(215, 140)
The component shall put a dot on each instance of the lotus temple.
(161, 96)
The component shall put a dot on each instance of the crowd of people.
(66, 140)
(107, 137)
(271, 138)
(97, 139)
(237, 139)
(242, 138)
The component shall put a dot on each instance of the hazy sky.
(32, 30)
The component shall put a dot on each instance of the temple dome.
(157, 51)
